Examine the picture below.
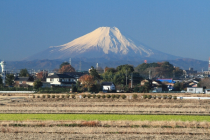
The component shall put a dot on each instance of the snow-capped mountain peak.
(105, 38)
(107, 42)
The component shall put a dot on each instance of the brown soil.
(101, 133)
(108, 106)
(57, 136)
(107, 124)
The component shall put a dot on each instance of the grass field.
(101, 117)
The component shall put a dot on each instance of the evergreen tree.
(24, 73)
(66, 68)
(94, 73)
(74, 89)
(37, 84)
(93, 88)
(63, 64)
(1, 82)
(9, 79)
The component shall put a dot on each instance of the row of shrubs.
(113, 96)
(104, 96)
(83, 96)
(53, 90)
(16, 89)
(159, 97)
(55, 96)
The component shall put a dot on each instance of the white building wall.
(194, 90)
(54, 81)
(207, 91)
(108, 87)
(30, 83)
(158, 89)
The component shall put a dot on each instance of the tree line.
(121, 76)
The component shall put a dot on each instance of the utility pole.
(126, 77)
(150, 74)
(70, 61)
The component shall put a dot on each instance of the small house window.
(51, 79)
(20, 82)
(190, 89)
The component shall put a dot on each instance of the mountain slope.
(86, 64)
(104, 42)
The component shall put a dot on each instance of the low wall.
(197, 98)
(17, 91)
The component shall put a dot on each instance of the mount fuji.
(103, 43)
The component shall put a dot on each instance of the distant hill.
(185, 63)
(87, 63)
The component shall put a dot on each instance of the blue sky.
(178, 27)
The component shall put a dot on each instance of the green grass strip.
(101, 117)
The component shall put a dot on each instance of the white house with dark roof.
(61, 80)
(108, 86)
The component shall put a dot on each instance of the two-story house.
(23, 81)
(61, 80)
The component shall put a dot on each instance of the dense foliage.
(63, 64)
(37, 84)
(24, 73)
(54, 90)
(42, 75)
(205, 83)
(94, 73)
(87, 80)
(1, 82)
(9, 79)
(118, 75)
(66, 68)
(159, 70)
(16, 89)
(178, 86)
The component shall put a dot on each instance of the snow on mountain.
(104, 42)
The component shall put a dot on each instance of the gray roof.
(75, 74)
(106, 83)
(60, 76)
(63, 82)
(22, 79)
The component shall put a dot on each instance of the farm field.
(106, 106)
(104, 130)
(102, 118)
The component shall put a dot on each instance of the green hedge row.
(16, 89)
(107, 96)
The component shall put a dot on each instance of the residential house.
(156, 83)
(23, 81)
(169, 82)
(194, 90)
(146, 81)
(207, 91)
(108, 86)
(177, 80)
(76, 75)
(61, 80)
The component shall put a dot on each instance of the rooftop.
(60, 76)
